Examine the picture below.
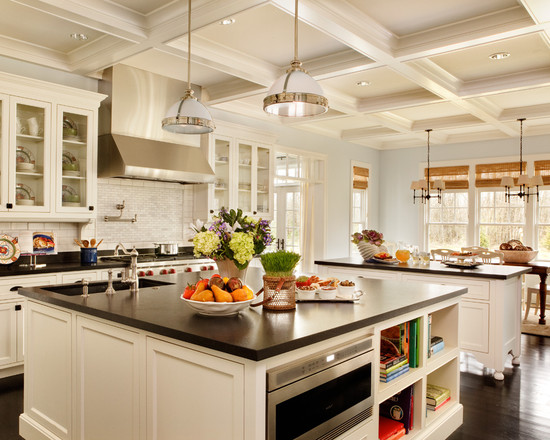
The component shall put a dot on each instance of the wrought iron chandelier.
(423, 185)
(528, 186)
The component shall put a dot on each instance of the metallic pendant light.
(526, 184)
(423, 185)
(188, 115)
(295, 94)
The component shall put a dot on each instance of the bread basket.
(518, 256)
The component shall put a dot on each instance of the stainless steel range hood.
(131, 143)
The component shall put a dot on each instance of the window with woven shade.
(455, 177)
(542, 168)
(360, 178)
(490, 174)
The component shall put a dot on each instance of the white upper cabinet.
(48, 142)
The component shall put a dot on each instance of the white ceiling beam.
(506, 83)
(396, 101)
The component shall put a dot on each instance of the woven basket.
(279, 293)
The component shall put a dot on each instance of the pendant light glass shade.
(188, 115)
(295, 94)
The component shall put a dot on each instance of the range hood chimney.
(131, 143)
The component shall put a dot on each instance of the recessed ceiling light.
(362, 83)
(499, 55)
(79, 37)
(227, 21)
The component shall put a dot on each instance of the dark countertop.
(254, 333)
(494, 271)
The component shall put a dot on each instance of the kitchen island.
(490, 326)
(146, 366)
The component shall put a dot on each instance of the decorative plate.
(68, 157)
(462, 264)
(70, 129)
(9, 249)
(23, 192)
(23, 155)
(69, 195)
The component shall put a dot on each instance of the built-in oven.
(321, 396)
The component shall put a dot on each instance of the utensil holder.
(88, 256)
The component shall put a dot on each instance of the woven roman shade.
(455, 177)
(542, 168)
(360, 178)
(490, 174)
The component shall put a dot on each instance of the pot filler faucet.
(130, 274)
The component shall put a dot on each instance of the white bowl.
(25, 202)
(305, 294)
(217, 308)
(25, 166)
(346, 292)
(327, 294)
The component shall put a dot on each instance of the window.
(447, 222)
(542, 220)
(359, 202)
(499, 220)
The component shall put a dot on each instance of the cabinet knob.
(9, 205)
(254, 212)
(90, 208)
(17, 307)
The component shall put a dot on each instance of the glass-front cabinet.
(244, 178)
(48, 150)
(74, 159)
(29, 167)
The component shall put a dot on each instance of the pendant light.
(188, 115)
(423, 185)
(525, 183)
(295, 94)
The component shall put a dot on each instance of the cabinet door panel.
(474, 326)
(48, 368)
(107, 377)
(179, 381)
(8, 332)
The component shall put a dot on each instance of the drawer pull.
(17, 307)
(15, 288)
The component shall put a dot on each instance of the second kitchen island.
(490, 313)
(147, 367)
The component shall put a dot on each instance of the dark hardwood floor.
(517, 408)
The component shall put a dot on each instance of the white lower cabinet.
(180, 380)
(8, 330)
(107, 381)
(48, 374)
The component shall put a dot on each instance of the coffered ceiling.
(426, 62)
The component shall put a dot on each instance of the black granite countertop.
(494, 271)
(254, 333)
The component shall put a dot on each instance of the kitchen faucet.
(129, 276)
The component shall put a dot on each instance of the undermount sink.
(101, 286)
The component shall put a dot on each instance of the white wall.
(400, 219)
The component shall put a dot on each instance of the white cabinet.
(48, 141)
(48, 372)
(108, 382)
(244, 167)
(180, 380)
(8, 333)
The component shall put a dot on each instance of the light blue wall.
(399, 218)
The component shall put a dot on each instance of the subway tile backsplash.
(164, 213)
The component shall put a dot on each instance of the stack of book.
(392, 366)
(436, 344)
(399, 407)
(436, 396)
(389, 429)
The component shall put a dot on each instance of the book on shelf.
(389, 429)
(437, 347)
(429, 331)
(399, 407)
(413, 343)
(391, 340)
(394, 374)
(436, 394)
(435, 408)
(394, 367)
(389, 360)
(435, 340)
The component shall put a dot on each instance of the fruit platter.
(217, 296)
(313, 288)
(383, 257)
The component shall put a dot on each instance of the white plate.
(217, 308)
(71, 173)
(387, 261)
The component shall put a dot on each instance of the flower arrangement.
(368, 235)
(232, 236)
